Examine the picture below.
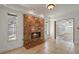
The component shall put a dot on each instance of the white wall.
(6, 45)
(68, 15)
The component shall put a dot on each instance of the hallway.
(49, 47)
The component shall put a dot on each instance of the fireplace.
(33, 31)
(35, 35)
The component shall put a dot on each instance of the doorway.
(64, 30)
(47, 29)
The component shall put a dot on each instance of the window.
(12, 25)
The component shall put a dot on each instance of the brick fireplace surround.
(33, 31)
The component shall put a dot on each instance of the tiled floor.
(49, 47)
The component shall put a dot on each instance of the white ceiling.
(40, 9)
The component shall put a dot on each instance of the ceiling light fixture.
(50, 6)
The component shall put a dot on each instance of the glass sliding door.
(12, 25)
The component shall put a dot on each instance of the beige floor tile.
(51, 46)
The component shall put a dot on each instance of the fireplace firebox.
(35, 35)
